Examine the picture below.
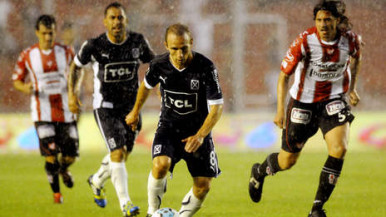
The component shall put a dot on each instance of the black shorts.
(114, 130)
(202, 163)
(56, 137)
(304, 119)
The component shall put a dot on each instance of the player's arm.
(355, 67)
(74, 82)
(132, 118)
(282, 89)
(22, 86)
(195, 141)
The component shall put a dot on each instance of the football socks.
(156, 188)
(104, 172)
(190, 204)
(270, 166)
(52, 171)
(328, 179)
(119, 180)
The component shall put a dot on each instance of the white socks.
(119, 180)
(190, 204)
(155, 191)
(104, 172)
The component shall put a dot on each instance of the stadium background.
(246, 39)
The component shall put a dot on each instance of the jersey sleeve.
(152, 77)
(147, 52)
(213, 89)
(293, 56)
(83, 57)
(20, 72)
(354, 44)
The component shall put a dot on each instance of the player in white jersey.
(46, 64)
(325, 60)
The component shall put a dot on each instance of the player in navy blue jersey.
(115, 57)
(192, 104)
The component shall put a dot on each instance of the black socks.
(328, 178)
(270, 166)
(52, 171)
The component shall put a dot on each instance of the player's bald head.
(115, 5)
(178, 29)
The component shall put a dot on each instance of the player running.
(189, 88)
(47, 64)
(115, 57)
(326, 60)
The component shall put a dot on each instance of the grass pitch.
(360, 190)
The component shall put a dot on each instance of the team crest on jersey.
(194, 84)
(157, 149)
(135, 52)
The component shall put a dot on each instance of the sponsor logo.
(163, 79)
(51, 146)
(194, 84)
(105, 55)
(157, 149)
(300, 116)
(334, 107)
(330, 51)
(181, 103)
(117, 72)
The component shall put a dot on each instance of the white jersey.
(321, 68)
(48, 72)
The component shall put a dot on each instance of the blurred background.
(246, 39)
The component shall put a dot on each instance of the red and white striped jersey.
(321, 68)
(48, 72)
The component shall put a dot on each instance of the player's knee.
(338, 151)
(161, 166)
(118, 155)
(201, 189)
(68, 159)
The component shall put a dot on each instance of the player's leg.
(157, 181)
(195, 197)
(69, 145)
(203, 169)
(96, 181)
(50, 150)
(300, 126)
(337, 140)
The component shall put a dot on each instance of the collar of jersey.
(116, 43)
(180, 70)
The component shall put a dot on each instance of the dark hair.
(115, 5)
(46, 20)
(178, 29)
(337, 9)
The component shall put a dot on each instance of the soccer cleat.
(58, 198)
(67, 179)
(130, 210)
(255, 184)
(99, 193)
(317, 213)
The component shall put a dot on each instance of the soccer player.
(326, 60)
(115, 57)
(47, 64)
(192, 104)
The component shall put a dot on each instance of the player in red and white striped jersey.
(325, 61)
(46, 65)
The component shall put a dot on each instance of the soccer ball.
(166, 212)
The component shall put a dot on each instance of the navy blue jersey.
(115, 68)
(186, 94)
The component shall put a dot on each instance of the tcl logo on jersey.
(181, 103)
(122, 71)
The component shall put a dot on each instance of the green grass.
(360, 190)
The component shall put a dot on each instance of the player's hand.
(193, 143)
(74, 104)
(279, 119)
(132, 120)
(354, 97)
